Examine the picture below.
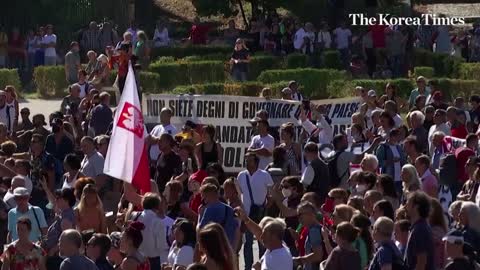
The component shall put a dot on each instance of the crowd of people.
(388, 193)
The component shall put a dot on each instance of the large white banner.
(230, 115)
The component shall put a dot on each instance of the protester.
(69, 246)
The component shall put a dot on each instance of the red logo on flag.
(131, 119)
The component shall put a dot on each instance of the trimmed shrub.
(452, 65)
(314, 81)
(165, 59)
(296, 60)
(181, 52)
(450, 87)
(50, 81)
(469, 71)
(423, 71)
(207, 57)
(10, 77)
(342, 88)
(235, 89)
(331, 59)
(186, 73)
(443, 64)
(258, 64)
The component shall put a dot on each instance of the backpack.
(332, 164)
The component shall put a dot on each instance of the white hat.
(20, 192)
(372, 93)
(102, 58)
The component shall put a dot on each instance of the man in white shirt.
(154, 241)
(93, 162)
(262, 144)
(298, 38)
(440, 121)
(158, 130)
(254, 185)
(324, 39)
(50, 42)
(277, 256)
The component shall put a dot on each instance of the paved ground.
(42, 106)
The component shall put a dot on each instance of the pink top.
(429, 182)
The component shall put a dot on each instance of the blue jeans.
(248, 250)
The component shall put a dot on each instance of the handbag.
(256, 211)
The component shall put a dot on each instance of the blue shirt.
(420, 241)
(386, 254)
(35, 234)
(314, 240)
(222, 214)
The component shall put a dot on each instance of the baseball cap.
(372, 93)
(21, 192)
(421, 79)
(292, 83)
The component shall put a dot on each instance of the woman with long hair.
(292, 148)
(208, 151)
(129, 243)
(410, 180)
(182, 249)
(239, 61)
(391, 94)
(364, 241)
(142, 50)
(438, 224)
(23, 254)
(89, 213)
(216, 250)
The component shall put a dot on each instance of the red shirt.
(378, 35)
(198, 34)
(17, 48)
(459, 132)
(122, 62)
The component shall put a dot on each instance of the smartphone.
(109, 214)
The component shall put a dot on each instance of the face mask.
(286, 192)
(361, 188)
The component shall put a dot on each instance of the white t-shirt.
(168, 222)
(278, 259)
(397, 165)
(326, 38)
(260, 181)
(266, 142)
(92, 166)
(298, 38)
(50, 52)
(180, 256)
(83, 89)
(342, 36)
(157, 131)
(398, 120)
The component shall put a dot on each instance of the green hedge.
(50, 81)
(181, 52)
(251, 88)
(469, 71)
(314, 81)
(443, 64)
(258, 64)
(207, 57)
(185, 73)
(9, 77)
(450, 87)
(343, 88)
(296, 60)
(149, 81)
(424, 71)
(331, 59)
